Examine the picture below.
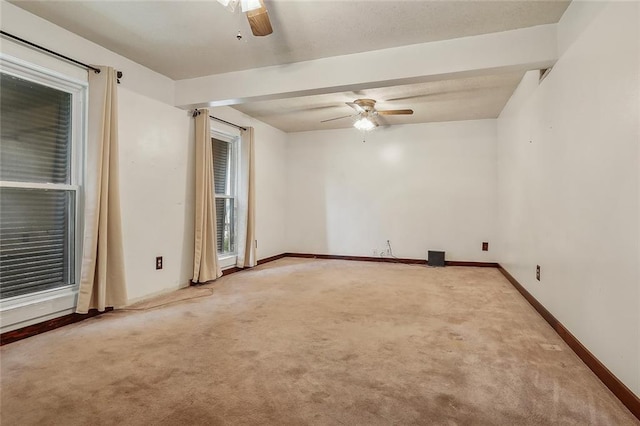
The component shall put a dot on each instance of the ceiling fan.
(366, 112)
(256, 12)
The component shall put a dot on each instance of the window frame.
(228, 259)
(22, 310)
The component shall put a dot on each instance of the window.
(225, 160)
(41, 133)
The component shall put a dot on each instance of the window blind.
(225, 203)
(221, 166)
(35, 232)
(37, 224)
(35, 127)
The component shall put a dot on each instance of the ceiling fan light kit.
(365, 124)
(245, 5)
(366, 114)
(249, 5)
(256, 12)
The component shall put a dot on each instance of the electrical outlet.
(538, 272)
(485, 246)
(159, 262)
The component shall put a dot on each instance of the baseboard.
(235, 269)
(390, 260)
(619, 389)
(52, 324)
(231, 270)
(272, 258)
(473, 264)
(358, 258)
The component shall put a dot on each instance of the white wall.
(424, 186)
(270, 152)
(569, 183)
(156, 154)
(157, 157)
(157, 193)
(37, 30)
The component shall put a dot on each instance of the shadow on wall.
(306, 200)
(421, 186)
(186, 263)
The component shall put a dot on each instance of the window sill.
(227, 261)
(31, 309)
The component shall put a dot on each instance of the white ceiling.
(186, 39)
(445, 100)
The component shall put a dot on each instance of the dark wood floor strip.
(52, 324)
(624, 394)
(271, 259)
(389, 259)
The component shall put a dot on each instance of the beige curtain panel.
(246, 203)
(102, 281)
(205, 259)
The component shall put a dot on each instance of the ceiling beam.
(515, 50)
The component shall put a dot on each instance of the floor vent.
(435, 258)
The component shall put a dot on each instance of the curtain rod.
(60, 55)
(196, 112)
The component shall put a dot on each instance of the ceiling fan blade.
(382, 121)
(355, 106)
(317, 108)
(395, 112)
(259, 21)
(337, 118)
(404, 98)
(445, 94)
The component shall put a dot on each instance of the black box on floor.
(435, 258)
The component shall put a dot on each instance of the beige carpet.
(322, 342)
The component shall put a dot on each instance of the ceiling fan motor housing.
(366, 104)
